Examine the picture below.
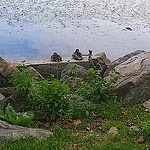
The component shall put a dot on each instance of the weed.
(96, 89)
(11, 116)
(22, 81)
(49, 99)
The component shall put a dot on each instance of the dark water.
(35, 29)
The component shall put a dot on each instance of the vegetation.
(91, 134)
(81, 120)
(22, 80)
(49, 99)
(9, 115)
(96, 89)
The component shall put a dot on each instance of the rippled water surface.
(34, 29)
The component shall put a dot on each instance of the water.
(34, 29)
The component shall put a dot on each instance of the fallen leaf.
(93, 114)
(120, 116)
(75, 147)
(124, 112)
(70, 120)
(141, 139)
(88, 128)
(68, 126)
(76, 122)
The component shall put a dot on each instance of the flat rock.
(147, 104)
(13, 132)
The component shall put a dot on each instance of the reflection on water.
(38, 40)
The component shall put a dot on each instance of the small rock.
(134, 128)
(113, 131)
(147, 104)
(2, 97)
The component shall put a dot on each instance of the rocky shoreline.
(133, 84)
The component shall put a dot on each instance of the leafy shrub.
(22, 81)
(11, 116)
(96, 89)
(71, 78)
(48, 99)
(78, 109)
(72, 71)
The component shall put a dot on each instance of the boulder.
(34, 73)
(133, 84)
(122, 60)
(7, 69)
(13, 132)
(103, 58)
(73, 70)
(147, 104)
(73, 75)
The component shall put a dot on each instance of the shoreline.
(48, 61)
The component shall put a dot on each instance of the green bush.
(48, 99)
(96, 89)
(11, 116)
(72, 71)
(78, 109)
(22, 81)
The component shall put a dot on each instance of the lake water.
(34, 29)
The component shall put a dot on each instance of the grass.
(91, 133)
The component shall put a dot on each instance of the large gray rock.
(34, 73)
(133, 84)
(122, 60)
(7, 69)
(78, 70)
(103, 58)
(13, 132)
(73, 75)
